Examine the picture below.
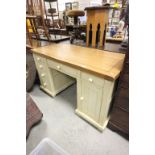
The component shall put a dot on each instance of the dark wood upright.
(119, 120)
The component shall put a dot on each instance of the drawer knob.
(42, 75)
(90, 80)
(58, 67)
(45, 84)
(38, 58)
(40, 66)
(81, 98)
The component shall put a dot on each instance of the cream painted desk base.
(97, 125)
(94, 93)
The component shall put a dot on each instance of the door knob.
(90, 80)
(81, 98)
(40, 66)
(38, 58)
(58, 67)
(42, 75)
(45, 84)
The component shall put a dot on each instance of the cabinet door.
(91, 98)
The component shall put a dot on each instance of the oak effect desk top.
(102, 63)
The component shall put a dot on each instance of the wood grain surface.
(103, 63)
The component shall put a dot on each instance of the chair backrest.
(35, 7)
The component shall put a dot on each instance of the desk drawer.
(43, 72)
(62, 68)
(40, 62)
(92, 79)
(45, 83)
(39, 59)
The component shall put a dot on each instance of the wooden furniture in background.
(56, 26)
(31, 28)
(97, 21)
(119, 120)
(52, 12)
(95, 79)
(75, 34)
(36, 8)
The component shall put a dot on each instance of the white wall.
(82, 3)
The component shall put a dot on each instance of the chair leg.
(29, 36)
(36, 30)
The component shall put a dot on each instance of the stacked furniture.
(35, 9)
(55, 25)
(31, 28)
(120, 112)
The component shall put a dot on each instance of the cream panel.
(91, 99)
(106, 100)
(61, 81)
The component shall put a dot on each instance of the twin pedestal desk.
(95, 71)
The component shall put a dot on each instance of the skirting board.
(91, 121)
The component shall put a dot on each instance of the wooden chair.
(36, 8)
(31, 28)
(97, 21)
(52, 16)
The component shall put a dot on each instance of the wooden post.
(87, 40)
(94, 29)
